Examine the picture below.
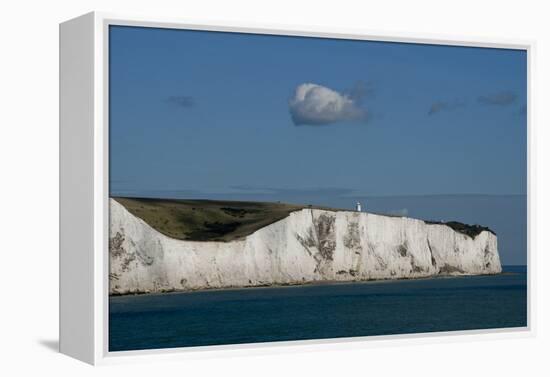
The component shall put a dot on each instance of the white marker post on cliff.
(358, 207)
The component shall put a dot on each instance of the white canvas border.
(101, 179)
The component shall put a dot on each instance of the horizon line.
(349, 195)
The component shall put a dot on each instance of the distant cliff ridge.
(301, 245)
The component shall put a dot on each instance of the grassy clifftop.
(206, 220)
(222, 220)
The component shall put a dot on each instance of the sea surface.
(251, 315)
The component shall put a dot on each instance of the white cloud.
(314, 104)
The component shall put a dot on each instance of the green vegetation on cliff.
(470, 230)
(223, 220)
(206, 220)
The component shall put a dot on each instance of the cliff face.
(307, 246)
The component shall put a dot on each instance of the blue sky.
(219, 115)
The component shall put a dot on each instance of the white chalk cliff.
(309, 245)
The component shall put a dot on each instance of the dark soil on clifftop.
(469, 230)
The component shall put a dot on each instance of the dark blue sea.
(253, 315)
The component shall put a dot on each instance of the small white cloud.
(314, 104)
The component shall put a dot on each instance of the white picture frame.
(84, 157)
